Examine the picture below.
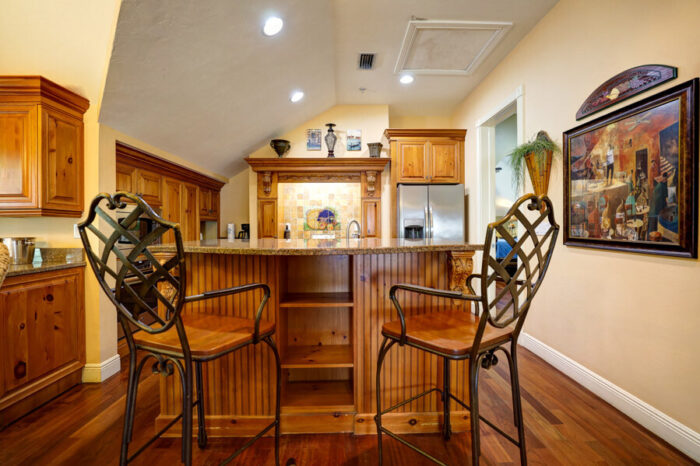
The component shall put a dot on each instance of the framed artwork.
(313, 139)
(354, 139)
(631, 177)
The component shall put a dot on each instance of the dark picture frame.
(631, 177)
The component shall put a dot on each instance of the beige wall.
(420, 121)
(371, 119)
(631, 318)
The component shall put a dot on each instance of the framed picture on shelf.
(354, 139)
(631, 177)
(313, 139)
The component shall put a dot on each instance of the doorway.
(497, 133)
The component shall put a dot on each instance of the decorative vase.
(375, 149)
(540, 169)
(281, 146)
(331, 139)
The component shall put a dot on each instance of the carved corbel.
(371, 177)
(267, 182)
(460, 266)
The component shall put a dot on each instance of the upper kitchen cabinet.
(427, 155)
(41, 148)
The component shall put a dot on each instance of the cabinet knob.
(49, 297)
(21, 326)
(70, 159)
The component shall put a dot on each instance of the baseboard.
(99, 372)
(679, 435)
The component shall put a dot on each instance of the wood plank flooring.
(565, 424)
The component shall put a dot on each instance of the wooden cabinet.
(183, 195)
(434, 160)
(424, 156)
(41, 148)
(149, 186)
(42, 338)
(267, 218)
(412, 161)
(208, 204)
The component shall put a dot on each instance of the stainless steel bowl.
(21, 249)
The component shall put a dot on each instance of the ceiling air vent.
(366, 61)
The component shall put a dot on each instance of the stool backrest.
(113, 252)
(511, 302)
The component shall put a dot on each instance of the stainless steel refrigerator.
(435, 210)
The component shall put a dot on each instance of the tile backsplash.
(317, 208)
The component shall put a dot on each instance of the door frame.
(486, 156)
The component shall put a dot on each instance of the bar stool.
(172, 340)
(457, 335)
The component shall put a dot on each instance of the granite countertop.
(318, 247)
(47, 259)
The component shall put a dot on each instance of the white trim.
(677, 434)
(99, 372)
(499, 29)
(485, 158)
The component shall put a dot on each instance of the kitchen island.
(329, 299)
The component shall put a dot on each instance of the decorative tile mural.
(317, 208)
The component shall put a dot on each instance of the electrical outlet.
(76, 234)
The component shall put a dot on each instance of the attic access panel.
(448, 47)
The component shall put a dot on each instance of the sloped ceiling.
(200, 80)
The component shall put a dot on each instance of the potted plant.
(537, 155)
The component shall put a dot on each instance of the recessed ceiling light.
(296, 96)
(273, 25)
(406, 79)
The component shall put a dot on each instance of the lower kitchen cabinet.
(42, 338)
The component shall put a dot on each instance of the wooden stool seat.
(207, 334)
(448, 332)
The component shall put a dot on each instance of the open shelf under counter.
(306, 300)
(320, 356)
(318, 397)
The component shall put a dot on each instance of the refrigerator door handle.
(427, 223)
(430, 213)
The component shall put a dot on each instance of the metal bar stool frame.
(483, 355)
(173, 298)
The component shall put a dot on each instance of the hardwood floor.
(565, 424)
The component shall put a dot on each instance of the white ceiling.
(198, 79)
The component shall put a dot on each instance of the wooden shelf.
(316, 300)
(318, 397)
(318, 356)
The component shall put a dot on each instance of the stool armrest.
(425, 291)
(235, 290)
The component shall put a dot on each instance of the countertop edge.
(318, 251)
(30, 268)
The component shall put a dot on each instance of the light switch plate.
(76, 234)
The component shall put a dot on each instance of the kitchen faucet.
(359, 229)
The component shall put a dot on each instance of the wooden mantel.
(363, 170)
(318, 165)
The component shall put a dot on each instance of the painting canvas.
(631, 177)
(354, 139)
(313, 139)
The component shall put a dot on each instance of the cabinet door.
(267, 218)
(149, 186)
(412, 162)
(215, 202)
(371, 219)
(172, 202)
(190, 212)
(41, 329)
(444, 162)
(18, 156)
(125, 178)
(204, 202)
(62, 158)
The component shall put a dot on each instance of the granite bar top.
(47, 259)
(318, 247)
